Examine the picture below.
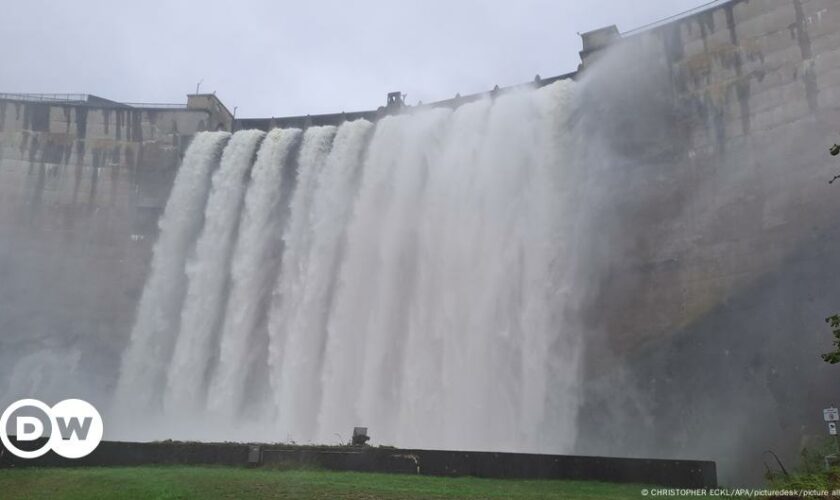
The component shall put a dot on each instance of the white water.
(208, 275)
(298, 244)
(420, 289)
(255, 259)
(145, 360)
(297, 327)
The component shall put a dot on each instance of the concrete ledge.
(675, 473)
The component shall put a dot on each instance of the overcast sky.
(277, 57)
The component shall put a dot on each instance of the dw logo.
(73, 427)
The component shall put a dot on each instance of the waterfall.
(255, 259)
(297, 327)
(207, 272)
(144, 363)
(409, 275)
(381, 238)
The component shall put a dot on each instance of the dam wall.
(708, 237)
(715, 101)
(715, 237)
(82, 182)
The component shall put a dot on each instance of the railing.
(159, 105)
(45, 97)
(86, 99)
(666, 20)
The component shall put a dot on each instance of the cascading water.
(208, 275)
(255, 259)
(297, 327)
(144, 364)
(418, 287)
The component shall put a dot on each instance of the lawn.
(188, 482)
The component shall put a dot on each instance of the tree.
(834, 151)
(833, 357)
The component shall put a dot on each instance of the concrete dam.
(634, 259)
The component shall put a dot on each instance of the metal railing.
(85, 99)
(45, 97)
(666, 20)
(158, 105)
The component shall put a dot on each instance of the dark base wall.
(675, 473)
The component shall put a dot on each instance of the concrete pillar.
(595, 41)
(220, 117)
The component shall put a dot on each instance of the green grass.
(815, 481)
(188, 482)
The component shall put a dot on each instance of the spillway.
(207, 273)
(404, 275)
(256, 257)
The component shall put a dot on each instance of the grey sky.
(284, 58)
